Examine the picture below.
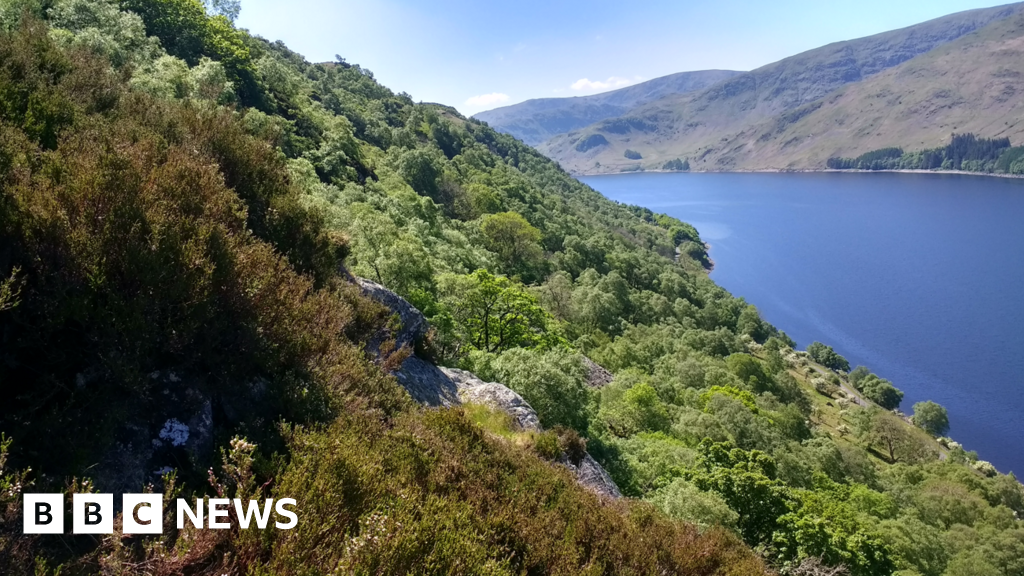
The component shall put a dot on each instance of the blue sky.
(477, 55)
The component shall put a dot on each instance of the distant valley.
(910, 88)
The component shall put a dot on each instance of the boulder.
(414, 324)
(497, 396)
(597, 376)
(592, 475)
(446, 387)
(426, 383)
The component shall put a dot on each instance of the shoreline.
(808, 171)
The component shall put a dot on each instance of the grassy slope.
(970, 85)
(709, 126)
(535, 121)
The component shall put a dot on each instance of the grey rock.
(592, 475)
(414, 324)
(597, 376)
(498, 396)
(446, 387)
(426, 383)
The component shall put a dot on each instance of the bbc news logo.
(144, 513)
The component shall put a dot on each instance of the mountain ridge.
(538, 119)
(696, 125)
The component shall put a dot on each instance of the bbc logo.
(93, 513)
(144, 513)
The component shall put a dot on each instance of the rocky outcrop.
(413, 324)
(427, 384)
(498, 396)
(446, 387)
(597, 376)
(592, 475)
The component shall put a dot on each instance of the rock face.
(414, 324)
(498, 396)
(176, 428)
(592, 475)
(447, 387)
(427, 384)
(597, 376)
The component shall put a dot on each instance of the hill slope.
(182, 209)
(535, 121)
(973, 84)
(707, 122)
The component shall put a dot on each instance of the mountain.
(712, 127)
(227, 272)
(535, 121)
(971, 85)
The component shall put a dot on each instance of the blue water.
(919, 277)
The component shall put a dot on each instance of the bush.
(553, 382)
(827, 357)
(931, 417)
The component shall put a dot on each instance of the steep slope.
(704, 123)
(973, 84)
(535, 121)
(177, 250)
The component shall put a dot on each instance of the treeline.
(964, 152)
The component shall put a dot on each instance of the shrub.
(827, 357)
(931, 417)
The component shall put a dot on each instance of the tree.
(383, 253)
(514, 240)
(493, 313)
(880, 391)
(10, 290)
(684, 501)
(226, 8)
(827, 357)
(552, 381)
(750, 371)
(896, 438)
(931, 417)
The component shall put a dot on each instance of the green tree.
(750, 371)
(514, 240)
(684, 501)
(931, 417)
(971, 563)
(387, 255)
(552, 381)
(896, 438)
(493, 313)
(880, 391)
(827, 357)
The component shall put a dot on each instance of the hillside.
(226, 271)
(719, 128)
(537, 120)
(971, 85)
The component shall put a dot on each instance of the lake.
(919, 277)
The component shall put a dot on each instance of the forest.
(182, 206)
(965, 152)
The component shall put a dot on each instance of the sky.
(477, 54)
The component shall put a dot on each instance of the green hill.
(185, 210)
(535, 121)
(747, 122)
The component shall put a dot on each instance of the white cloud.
(612, 82)
(487, 100)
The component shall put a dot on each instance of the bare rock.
(497, 396)
(426, 383)
(414, 324)
(597, 375)
(592, 475)
(447, 387)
